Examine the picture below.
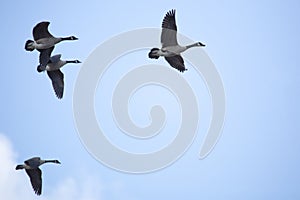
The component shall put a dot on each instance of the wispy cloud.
(15, 186)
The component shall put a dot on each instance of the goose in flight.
(32, 169)
(170, 48)
(57, 77)
(44, 42)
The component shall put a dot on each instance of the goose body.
(44, 42)
(55, 63)
(170, 48)
(55, 74)
(41, 44)
(32, 169)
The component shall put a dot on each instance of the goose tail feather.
(28, 46)
(153, 53)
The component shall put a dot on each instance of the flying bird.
(32, 169)
(44, 42)
(53, 70)
(170, 48)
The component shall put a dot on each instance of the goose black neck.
(71, 61)
(192, 45)
(69, 38)
(52, 161)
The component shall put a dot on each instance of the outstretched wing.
(45, 57)
(177, 62)
(169, 30)
(33, 162)
(57, 78)
(55, 58)
(35, 176)
(41, 31)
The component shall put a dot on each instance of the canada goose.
(57, 77)
(32, 169)
(170, 48)
(44, 42)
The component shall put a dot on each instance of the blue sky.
(254, 45)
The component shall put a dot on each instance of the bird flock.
(44, 42)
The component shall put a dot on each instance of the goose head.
(200, 44)
(73, 61)
(70, 38)
(50, 161)
(197, 44)
(73, 38)
(77, 61)
(29, 45)
(56, 161)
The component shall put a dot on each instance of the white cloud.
(15, 185)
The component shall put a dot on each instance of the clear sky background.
(255, 47)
